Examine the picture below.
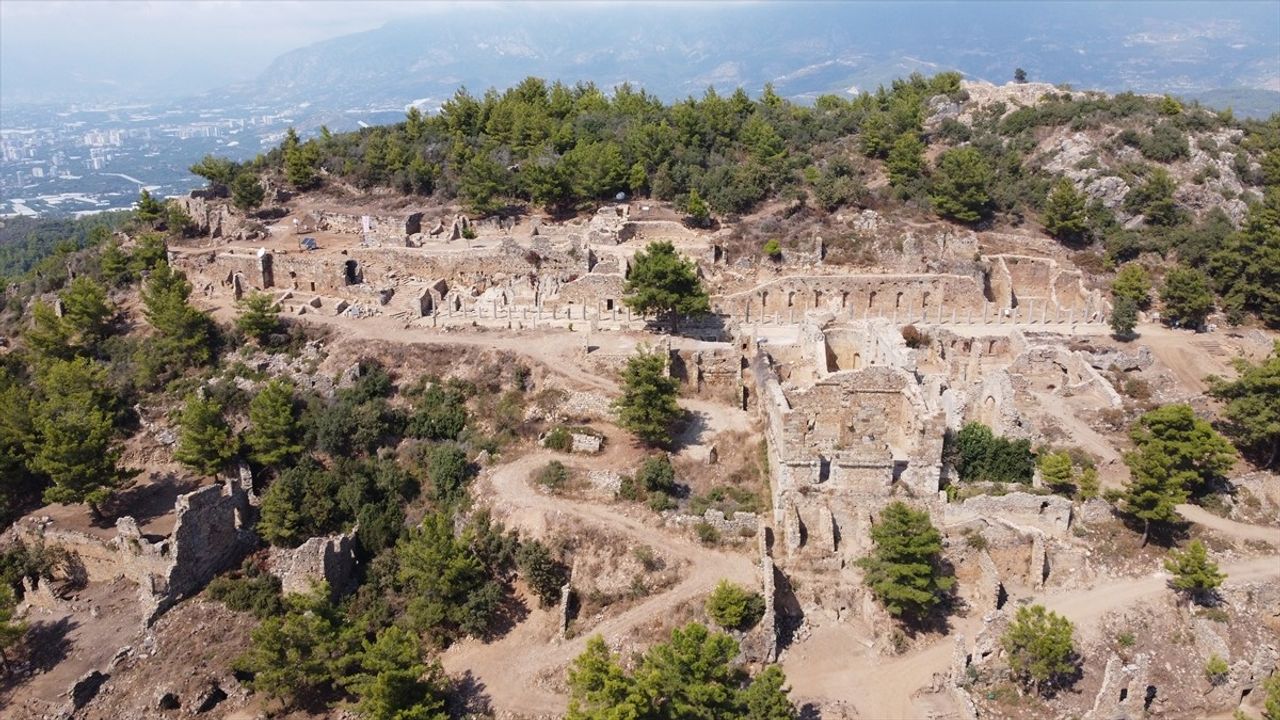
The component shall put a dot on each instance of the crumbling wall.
(211, 532)
(328, 559)
(712, 372)
(1050, 514)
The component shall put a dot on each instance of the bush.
(773, 250)
(1040, 647)
(439, 414)
(657, 475)
(553, 475)
(733, 607)
(559, 439)
(1216, 670)
(707, 533)
(979, 455)
(542, 571)
(449, 472)
(1187, 298)
(249, 590)
(1166, 143)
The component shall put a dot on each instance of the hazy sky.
(211, 41)
(55, 50)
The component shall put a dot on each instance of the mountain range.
(803, 49)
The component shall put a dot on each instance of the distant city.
(63, 162)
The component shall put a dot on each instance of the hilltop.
(948, 400)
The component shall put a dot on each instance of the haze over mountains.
(804, 50)
(677, 49)
(86, 122)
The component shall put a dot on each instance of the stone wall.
(329, 559)
(211, 533)
(1049, 514)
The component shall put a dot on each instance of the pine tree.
(1186, 297)
(79, 452)
(115, 265)
(1056, 470)
(393, 683)
(696, 210)
(1153, 491)
(1133, 283)
(906, 159)
(149, 209)
(1040, 647)
(258, 317)
(903, 568)
(292, 655)
(1252, 409)
(690, 676)
(86, 312)
(184, 334)
(246, 192)
(663, 282)
(1189, 446)
(1065, 216)
(961, 185)
(205, 443)
(76, 443)
(733, 607)
(1124, 318)
(274, 432)
(638, 178)
(1193, 572)
(648, 405)
(48, 337)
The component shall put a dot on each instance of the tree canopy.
(647, 406)
(903, 569)
(1193, 572)
(1040, 647)
(1177, 453)
(1252, 410)
(690, 676)
(662, 282)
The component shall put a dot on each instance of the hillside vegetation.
(1128, 177)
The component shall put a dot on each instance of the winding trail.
(1230, 528)
(508, 670)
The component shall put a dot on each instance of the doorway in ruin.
(426, 304)
(351, 272)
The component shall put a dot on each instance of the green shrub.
(249, 590)
(542, 571)
(707, 533)
(554, 475)
(559, 439)
(773, 249)
(659, 501)
(1216, 670)
(657, 475)
(979, 455)
(733, 607)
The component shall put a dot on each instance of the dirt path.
(509, 668)
(1185, 353)
(1230, 528)
(833, 663)
(1086, 606)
